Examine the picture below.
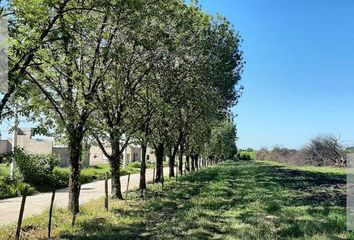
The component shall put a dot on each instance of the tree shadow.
(260, 198)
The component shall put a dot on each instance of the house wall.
(135, 154)
(150, 155)
(5, 147)
(97, 157)
(35, 147)
(25, 141)
(63, 153)
(131, 154)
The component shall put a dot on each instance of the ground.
(243, 200)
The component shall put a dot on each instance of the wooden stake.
(126, 193)
(153, 177)
(106, 192)
(19, 223)
(51, 213)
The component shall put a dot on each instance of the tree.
(172, 77)
(222, 144)
(135, 53)
(68, 73)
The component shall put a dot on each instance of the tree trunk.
(75, 149)
(180, 163)
(171, 163)
(188, 168)
(142, 184)
(159, 152)
(115, 161)
(193, 163)
(197, 162)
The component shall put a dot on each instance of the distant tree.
(223, 141)
(349, 149)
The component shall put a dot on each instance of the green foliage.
(12, 187)
(156, 72)
(252, 154)
(349, 149)
(37, 169)
(244, 156)
(222, 144)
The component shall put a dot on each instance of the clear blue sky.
(299, 76)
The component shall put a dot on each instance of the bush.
(61, 175)
(244, 156)
(135, 164)
(324, 150)
(37, 169)
(13, 187)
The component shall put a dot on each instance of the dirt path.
(9, 208)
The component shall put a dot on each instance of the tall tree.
(222, 143)
(69, 71)
(135, 53)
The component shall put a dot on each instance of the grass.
(244, 200)
(9, 188)
(329, 170)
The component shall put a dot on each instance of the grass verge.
(244, 200)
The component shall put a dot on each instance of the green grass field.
(244, 200)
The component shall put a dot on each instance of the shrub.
(61, 176)
(37, 169)
(13, 187)
(326, 150)
(135, 164)
(244, 156)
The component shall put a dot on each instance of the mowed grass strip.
(243, 200)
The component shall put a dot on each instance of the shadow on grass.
(244, 200)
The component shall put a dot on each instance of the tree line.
(163, 74)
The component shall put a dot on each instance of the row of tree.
(160, 73)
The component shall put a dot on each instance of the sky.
(299, 75)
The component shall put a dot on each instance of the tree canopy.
(164, 74)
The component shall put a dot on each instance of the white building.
(34, 146)
(132, 153)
